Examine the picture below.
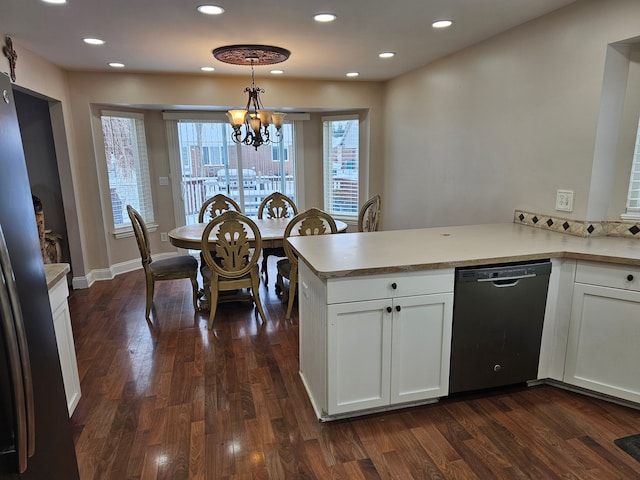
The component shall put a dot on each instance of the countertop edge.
(54, 272)
(561, 247)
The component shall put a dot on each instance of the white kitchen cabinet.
(603, 348)
(58, 294)
(375, 341)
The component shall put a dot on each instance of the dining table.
(271, 230)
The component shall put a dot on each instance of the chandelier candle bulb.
(254, 121)
(236, 117)
(265, 117)
(277, 119)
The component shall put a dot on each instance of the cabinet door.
(358, 355)
(603, 351)
(67, 353)
(421, 347)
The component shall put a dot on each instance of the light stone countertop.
(54, 272)
(351, 254)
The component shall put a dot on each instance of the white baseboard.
(110, 273)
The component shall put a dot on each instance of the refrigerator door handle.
(18, 353)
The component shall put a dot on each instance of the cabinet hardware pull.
(398, 308)
(394, 285)
(630, 278)
(388, 309)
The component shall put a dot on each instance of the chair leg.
(293, 281)
(280, 287)
(149, 300)
(213, 301)
(265, 268)
(194, 283)
(255, 288)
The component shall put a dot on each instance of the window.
(341, 158)
(212, 163)
(212, 155)
(633, 196)
(280, 150)
(125, 150)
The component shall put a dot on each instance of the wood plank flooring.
(169, 399)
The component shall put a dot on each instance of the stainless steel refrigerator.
(35, 431)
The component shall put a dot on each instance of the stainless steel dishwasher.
(498, 314)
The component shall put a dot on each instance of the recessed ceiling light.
(324, 17)
(277, 72)
(210, 9)
(352, 74)
(207, 69)
(386, 54)
(58, 2)
(442, 24)
(116, 65)
(93, 41)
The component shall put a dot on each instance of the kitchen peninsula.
(376, 312)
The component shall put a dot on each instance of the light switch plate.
(564, 200)
(164, 180)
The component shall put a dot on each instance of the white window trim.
(633, 213)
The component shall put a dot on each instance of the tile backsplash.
(580, 228)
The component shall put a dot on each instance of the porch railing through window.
(198, 189)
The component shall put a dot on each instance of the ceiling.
(172, 36)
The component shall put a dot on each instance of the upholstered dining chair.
(309, 222)
(233, 262)
(216, 205)
(369, 216)
(276, 205)
(181, 266)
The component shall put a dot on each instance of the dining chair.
(309, 222)
(231, 262)
(216, 205)
(276, 205)
(181, 266)
(369, 216)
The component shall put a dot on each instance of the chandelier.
(254, 118)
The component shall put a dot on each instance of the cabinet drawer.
(371, 287)
(609, 275)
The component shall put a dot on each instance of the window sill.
(630, 217)
(350, 221)
(124, 232)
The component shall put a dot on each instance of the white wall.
(503, 124)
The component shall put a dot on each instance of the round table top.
(271, 229)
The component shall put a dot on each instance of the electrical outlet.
(163, 237)
(564, 200)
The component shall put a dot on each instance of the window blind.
(341, 158)
(127, 165)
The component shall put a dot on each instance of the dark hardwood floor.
(169, 399)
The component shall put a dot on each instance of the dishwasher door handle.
(502, 282)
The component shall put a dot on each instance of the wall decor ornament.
(11, 54)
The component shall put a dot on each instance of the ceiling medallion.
(251, 54)
(254, 118)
